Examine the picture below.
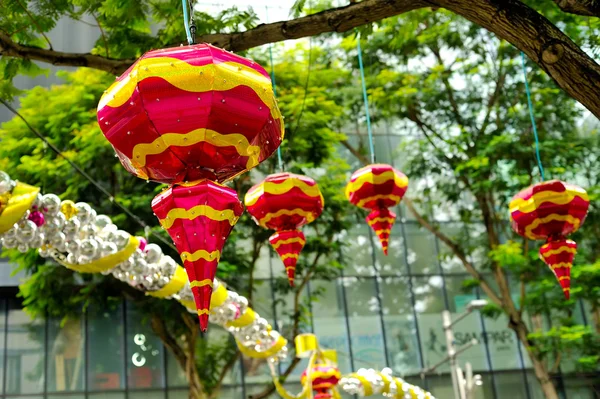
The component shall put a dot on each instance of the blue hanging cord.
(366, 99)
(186, 21)
(279, 158)
(530, 104)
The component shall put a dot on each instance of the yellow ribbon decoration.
(280, 343)
(306, 345)
(175, 285)
(107, 262)
(244, 320)
(22, 197)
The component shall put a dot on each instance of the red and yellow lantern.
(377, 188)
(551, 211)
(193, 116)
(285, 202)
(323, 378)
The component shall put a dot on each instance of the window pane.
(365, 323)
(329, 320)
(106, 368)
(421, 251)
(25, 361)
(107, 395)
(358, 257)
(145, 362)
(2, 329)
(66, 355)
(146, 395)
(400, 326)
(175, 373)
(511, 385)
(392, 264)
(429, 303)
(449, 262)
(469, 328)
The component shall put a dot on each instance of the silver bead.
(88, 248)
(102, 221)
(84, 212)
(5, 182)
(51, 204)
(153, 253)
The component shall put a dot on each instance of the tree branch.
(363, 159)
(589, 8)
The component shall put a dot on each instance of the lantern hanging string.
(365, 98)
(186, 21)
(279, 158)
(530, 104)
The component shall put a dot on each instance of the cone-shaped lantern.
(199, 217)
(378, 187)
(551, 211)
(284, 202)
(187, 114)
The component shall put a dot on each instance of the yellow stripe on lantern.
(198, 210)
(22, 196)
(107, 262)
(203, 135)
(281, 188)
(561, 278)
(174, 285)
(290, 268)
(246, 319)
(289, 212)
(550, 218)
(201, 254)
(380, 219)
(559, 251)
(378, 232)
(202, 311)
(288, 241)
(362, 202)
(555, 197)
(201, 283)
(289, 256)
(561, 265)
(399, 180)
(197, 79)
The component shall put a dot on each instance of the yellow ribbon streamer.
(107, 262)
(175, 285)
(22, 197)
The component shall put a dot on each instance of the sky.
(267, 10)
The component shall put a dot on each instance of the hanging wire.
(279, 158)
(530, 104)
(88, 177)
(186, 21)
(365, 98)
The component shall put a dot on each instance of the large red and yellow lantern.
(377, 188)
(551, 211)
(193, 116)
(285, 202)
(323, 378)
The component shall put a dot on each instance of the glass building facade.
(379, 311)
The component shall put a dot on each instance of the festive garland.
(75, 236)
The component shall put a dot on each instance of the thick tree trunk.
(539, 368)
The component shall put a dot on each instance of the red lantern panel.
(559, 255)
(199, 217)
(192, 112)
(288, 244)
(549, 209)
(284, 201)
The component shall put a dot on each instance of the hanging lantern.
(551, 211)
(194, 114)
(323, 378)
(284, 202)
(377, 188)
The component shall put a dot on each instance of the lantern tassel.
(288, 244)
(381, 221)
(558, 254)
